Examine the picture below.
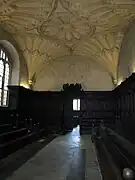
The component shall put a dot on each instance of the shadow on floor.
(17, 159)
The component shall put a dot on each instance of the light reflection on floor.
(76, 132)
(55, 160)
(74, 137)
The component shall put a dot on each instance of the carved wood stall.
(96, 106)
(20, 100)
(38, 108)
(55, 109)
(12, 134)
(31, 113)
(125, 108)
(49, 106)
(16, 124)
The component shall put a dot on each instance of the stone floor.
(67, 157)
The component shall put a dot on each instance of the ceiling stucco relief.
(39, 52)
(66, 27)
(25, 15)
(104, 49)
(92, 28)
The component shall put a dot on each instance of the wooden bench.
(9, 136)
(5, 128)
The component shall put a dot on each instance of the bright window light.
(4, 76)
(76, 104)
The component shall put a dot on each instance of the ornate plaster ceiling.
(48, 29)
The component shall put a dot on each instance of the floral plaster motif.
(48, 29)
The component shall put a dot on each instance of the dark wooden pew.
(9, 136)
(118, 154)
(6, 128)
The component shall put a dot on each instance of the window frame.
(5, 61)
(78, 104)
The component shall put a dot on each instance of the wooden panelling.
(124, 95)
(55, 109)
(96, 107)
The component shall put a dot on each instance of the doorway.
(72, 108)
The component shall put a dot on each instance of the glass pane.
(6, 77)
(4, 103)
(0, 82)
(5, 93)
(1, 62)
(1, 73)
(5, 98)
(0, 94)
(6, 71)
(1, 53)
(6, 81)
(6, 88)
(7, 67)
(1, 68)
(74, 104)
(6, 74)
(7, 59)
(5, 84)
(78, 103)
(4, 55)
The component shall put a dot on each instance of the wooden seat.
(9, 136)
(13, 145)
(5, 128)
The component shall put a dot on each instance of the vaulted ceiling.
(48, 29)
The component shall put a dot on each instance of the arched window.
(4, 76)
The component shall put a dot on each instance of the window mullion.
(1, 97)
(5, 75)
(3, 81)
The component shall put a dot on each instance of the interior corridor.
(67, 157)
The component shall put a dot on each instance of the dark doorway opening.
(72, 106)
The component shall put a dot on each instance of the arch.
(5, 68)
(15, 64)
(83, 57)
(9, 69)
(126, 63)
(20, 69)
(73, 69)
